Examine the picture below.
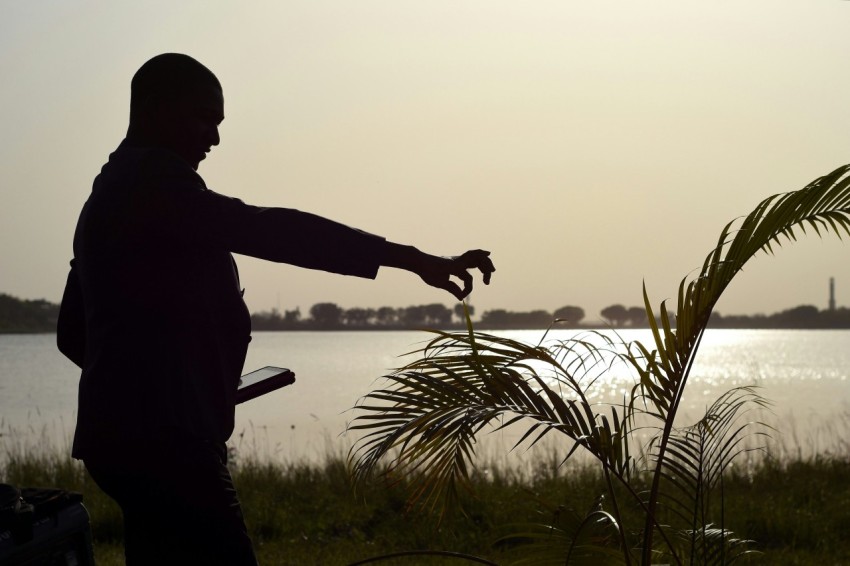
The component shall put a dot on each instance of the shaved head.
(176, 103)
(166, 78)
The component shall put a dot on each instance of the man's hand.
(438, 271)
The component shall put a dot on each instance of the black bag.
(47, 527)
(15, 514)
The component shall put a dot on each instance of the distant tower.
(832, 293)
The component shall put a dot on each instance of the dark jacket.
(155, 292)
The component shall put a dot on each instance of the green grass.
(797, 511)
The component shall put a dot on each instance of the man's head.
(176, 103)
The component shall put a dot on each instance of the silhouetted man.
(153, 313)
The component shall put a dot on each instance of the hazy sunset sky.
(590, 145)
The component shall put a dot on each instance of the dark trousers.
(179, 504)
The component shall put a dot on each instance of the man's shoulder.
(153, 164)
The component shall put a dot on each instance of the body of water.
(803, 372)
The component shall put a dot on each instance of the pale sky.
(590, 145)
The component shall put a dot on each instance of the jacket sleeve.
(203, 217)
(277, 234)
(71, 326)
(301, 238)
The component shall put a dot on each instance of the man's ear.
(158, 114)
(153, 106)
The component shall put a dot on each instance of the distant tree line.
(330, 316)
(803, 316)
(19, 316)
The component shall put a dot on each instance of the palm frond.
(713, 546)
(698, 455)
(823, 205)
(426, 420)
(571, 538)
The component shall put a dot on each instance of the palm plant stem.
(700, 505)
(620, 530)
(722, 519)
(637, 498)
(662, 449)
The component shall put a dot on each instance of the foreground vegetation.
(798, 511)
(425, 424)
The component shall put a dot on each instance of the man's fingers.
(467, 283)
(459, 267)
(455, 290)
(463, 275)
(479, 259)
(465, 278)
(473, 258)
(487, 268)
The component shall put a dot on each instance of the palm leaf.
(715, 546)
(823, 205)
(696, 459)
(427, 419)
(568, 538)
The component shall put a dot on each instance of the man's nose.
(215, 138)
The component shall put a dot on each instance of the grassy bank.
(797, 511)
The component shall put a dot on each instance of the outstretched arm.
(438, 271)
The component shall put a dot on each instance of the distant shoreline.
(39, 316)
(476, 328)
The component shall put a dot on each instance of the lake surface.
(803, 372)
